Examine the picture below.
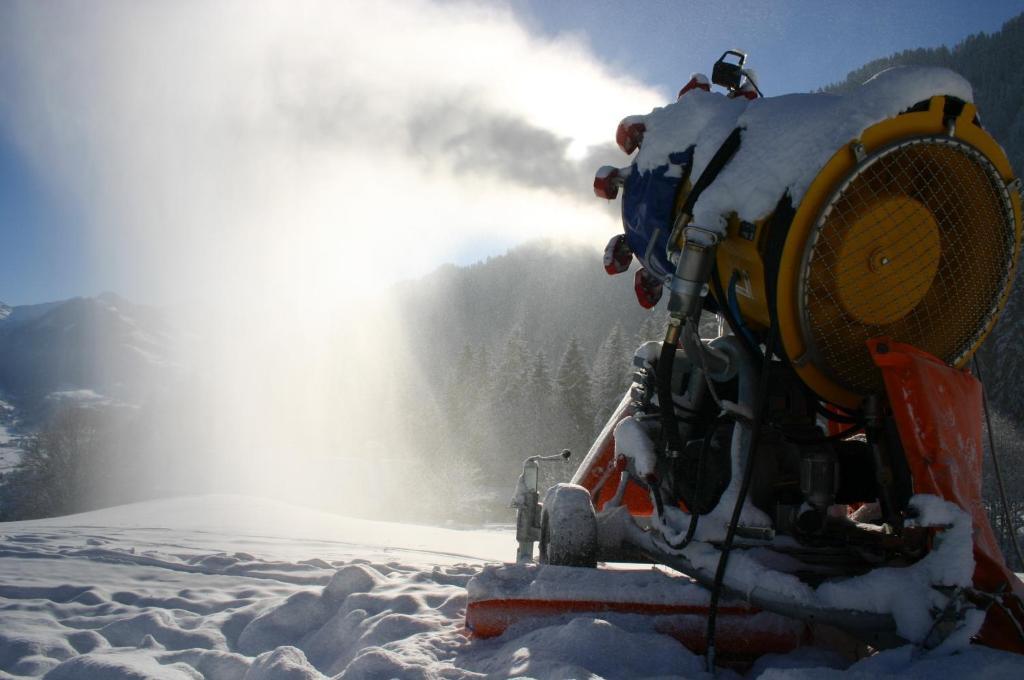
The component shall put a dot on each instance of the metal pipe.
(693, 270)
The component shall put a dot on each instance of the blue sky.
(795, 45)
(43, 256)
(47, 253)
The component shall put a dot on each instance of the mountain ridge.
(104, 345)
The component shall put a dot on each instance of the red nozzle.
(647, 287)
(617, 255)
(607, 182)
(746, 90)
(630, 134)
(698, 81)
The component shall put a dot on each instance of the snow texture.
(532, 581)
(786, 139)
(633, 441)
(235, 588)
(648, 352)
(906, 593)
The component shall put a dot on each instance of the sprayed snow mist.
(266, 171)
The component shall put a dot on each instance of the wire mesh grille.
(918, 246)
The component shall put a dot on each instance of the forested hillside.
(546, 291)
(992, 64)
(525, 353)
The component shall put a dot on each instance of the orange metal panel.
(938, 411)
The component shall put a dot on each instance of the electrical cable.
(734, 309)
(1007, 515)
(750, 79)
(754, 83)
(734, 324)
(748, 474)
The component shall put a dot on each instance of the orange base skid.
(517, 595)
(741, 634)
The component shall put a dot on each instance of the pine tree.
(540, 374)
(63, 467)
(468, 411)
(1004, 372)
(572, 391)
(508, 400)
(540, 432)
(513, 369)
(459, 392)
(612, 371)
(481, 369)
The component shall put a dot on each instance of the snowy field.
(236, 588)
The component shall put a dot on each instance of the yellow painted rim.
(819, 195)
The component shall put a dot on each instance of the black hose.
(659, 502)
(690, 531)
(748, 474)
(718, 161)
(705, 447)
(659, 508)
(666, 405)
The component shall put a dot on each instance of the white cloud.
(285, 135)
(283, 162)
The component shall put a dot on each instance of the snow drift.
(236, 588)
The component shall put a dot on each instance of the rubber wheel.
(568, 534)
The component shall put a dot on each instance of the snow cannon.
(886, 212)
(857, 250)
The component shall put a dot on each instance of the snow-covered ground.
(229, 587)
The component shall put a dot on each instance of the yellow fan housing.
(911, 232)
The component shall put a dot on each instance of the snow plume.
(270, 168)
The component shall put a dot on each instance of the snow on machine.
(813, 475)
